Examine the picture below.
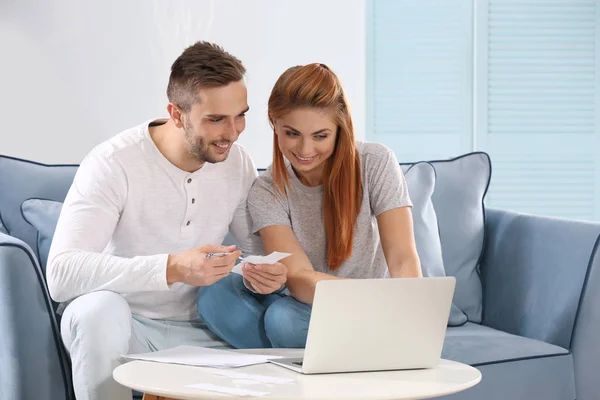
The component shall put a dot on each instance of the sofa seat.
(511, 365)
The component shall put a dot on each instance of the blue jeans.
(249, 320)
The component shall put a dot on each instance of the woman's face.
(307, 138)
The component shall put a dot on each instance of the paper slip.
(253, 378)
(270, 259)
(227, 390)
(202, 357)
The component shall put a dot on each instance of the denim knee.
(212, 298)
(286, 323)
(233, 313)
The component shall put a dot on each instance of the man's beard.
(197, 146)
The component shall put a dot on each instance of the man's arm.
(89, 216)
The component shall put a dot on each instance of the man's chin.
(215, 158)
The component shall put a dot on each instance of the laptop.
(360, 325)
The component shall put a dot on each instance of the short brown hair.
(202, 65)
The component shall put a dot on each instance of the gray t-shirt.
(384, 188)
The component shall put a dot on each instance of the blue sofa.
(533, 334)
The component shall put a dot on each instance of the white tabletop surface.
(170, 380)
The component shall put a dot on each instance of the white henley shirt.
(129, 207)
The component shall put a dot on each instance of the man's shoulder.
(238, 164)
(120, 145)
(239, 155)
(111, 159)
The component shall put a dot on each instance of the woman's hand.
(265, 278)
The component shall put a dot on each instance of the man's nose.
(230, 132)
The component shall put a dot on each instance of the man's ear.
(176, 115)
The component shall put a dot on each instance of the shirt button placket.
(189, 180)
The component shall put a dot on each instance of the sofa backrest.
(21, 180)
(461, 185)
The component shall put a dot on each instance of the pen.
(219, 254)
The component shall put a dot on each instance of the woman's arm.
(301, 276)
(398, 243)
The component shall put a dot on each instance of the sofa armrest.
(33, 363)
(584, 343)
(533, 273)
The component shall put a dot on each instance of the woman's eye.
(290, 133)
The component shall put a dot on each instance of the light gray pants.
(99, 327)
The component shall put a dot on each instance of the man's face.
(215, 122)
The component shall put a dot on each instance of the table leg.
(153, 397)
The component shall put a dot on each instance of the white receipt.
(253, 378)
(270, 259)
(224, 389)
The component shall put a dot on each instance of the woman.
(340, 208)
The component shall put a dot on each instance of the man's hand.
(265, 278)
(192, 266)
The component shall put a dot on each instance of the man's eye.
(216, 120)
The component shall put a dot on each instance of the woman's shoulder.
(372, 155)
(263, 185)
(373, 149)
(264, 179)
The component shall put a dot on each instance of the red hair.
(316, 86)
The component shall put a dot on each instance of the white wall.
(74, 73)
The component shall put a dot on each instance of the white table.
(170, 380)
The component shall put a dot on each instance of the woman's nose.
(305, 148)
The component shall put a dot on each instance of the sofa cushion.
(460, 188)
(458, 199)
(475, 344)
(43, 215)
(21, 180)
(420, 179)
(511, 366)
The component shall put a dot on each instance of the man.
(145, 208)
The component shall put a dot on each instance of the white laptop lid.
(378, 324)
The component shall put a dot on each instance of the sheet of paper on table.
(253, 377)
(227, 390)
(201, 357)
